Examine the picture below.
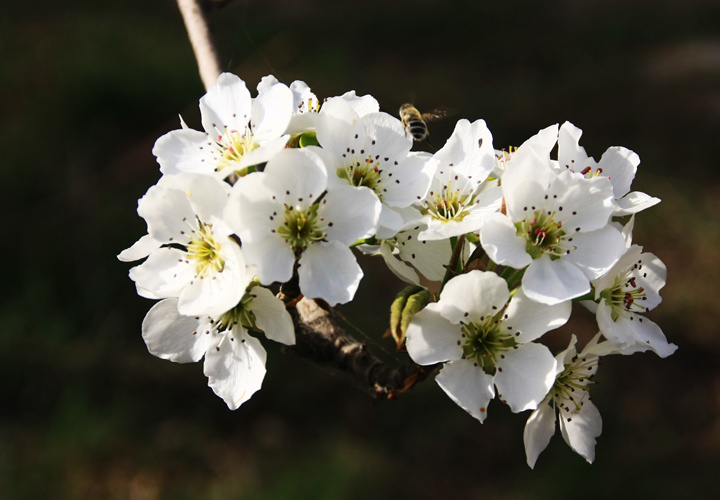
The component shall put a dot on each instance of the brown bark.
(322, 340)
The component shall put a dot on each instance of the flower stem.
(453, 268)
(201, 40)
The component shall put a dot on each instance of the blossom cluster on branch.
(281, 187)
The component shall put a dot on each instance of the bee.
(415, 123)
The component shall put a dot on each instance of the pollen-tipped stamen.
(204, 251)
(301, 227)
(543, 235)
(484, 342)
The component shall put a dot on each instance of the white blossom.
(460, 195)
(628, 290)
(618, 165)
(190, 254)
(287, 212)
(234, 359)
(556, 225)
(373, 150)
(239, 131)
(580, 421)
(486, 343)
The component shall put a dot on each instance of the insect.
(415, 123)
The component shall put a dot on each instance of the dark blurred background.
(87, 413)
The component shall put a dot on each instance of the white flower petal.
(271, 316)
(228, 104)
(570, 154)
(633, 203)
(525, 375)
(431, 339)
(389, 135)
(339, 128)
(469, 150)
(271, 112)
(350, 212)
(361, 105)
(207, 195)
(652, 275)
(218, 292)
(235, 366)
(468, 385)
(398, 267)
(168, 335)
(469, 297)
(540, 144)
(619, 165)
(272, 257)
(581, 429)
(428, 257)
(607, 280)
(632, 331)
(251, 212)
(596, 252)
(500, 240)
(184, 150)
(163, 274)
(540, 427)
(261, 154)
(389, 223)
(410, 180)
(532, 319)
(329, 271)
(582, 204)
(168, 214)
(296, 176)
(266, 82)
(552, 282)
(140, 249)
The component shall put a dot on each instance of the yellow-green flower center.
(240, 314)
(362, 173)
(233, 145)
(448, 205)
(571, 386)
(485, 342)
(543, 235)
(204, 251)
(301, 227)
(625, 295)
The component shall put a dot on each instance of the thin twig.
(201, 40)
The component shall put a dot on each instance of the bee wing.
(439, 113)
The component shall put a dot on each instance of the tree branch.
(201, 40)
(321, 340)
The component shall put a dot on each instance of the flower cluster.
(281, 187)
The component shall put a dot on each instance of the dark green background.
(87, 87)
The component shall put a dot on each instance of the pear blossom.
(373, 150)
(189, 249)
(306, 105)
(580, 421)
(486, 343)
(555, 225)
(239, 131)
(282, 186)
(628, 290)
(234, 359)
(617, 164)
(460, 195)
(287, 212)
